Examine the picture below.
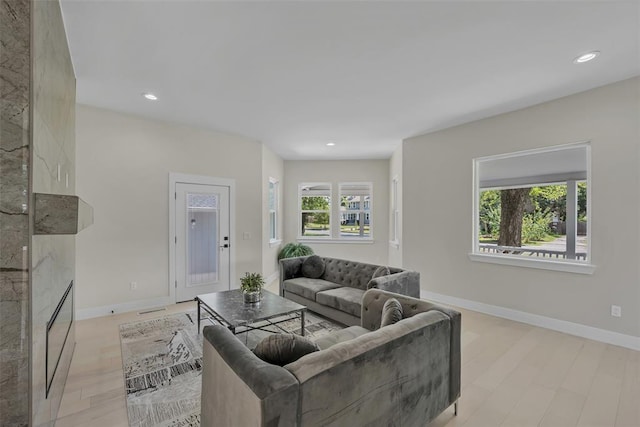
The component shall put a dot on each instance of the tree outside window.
(530, 216)
(315, 209)
(534, 203)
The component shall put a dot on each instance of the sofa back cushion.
(397, 375)
(349, 273)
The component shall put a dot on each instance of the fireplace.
(58, 328)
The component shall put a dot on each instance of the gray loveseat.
(404, 374)
(338, 291)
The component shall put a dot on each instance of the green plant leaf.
(291, 250)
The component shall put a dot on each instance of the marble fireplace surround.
(60, 214)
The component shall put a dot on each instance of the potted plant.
(291, 250)
(251, 285)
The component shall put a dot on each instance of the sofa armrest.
(405, 283)
(372, 302)
(395, 376)
(289, 269)
(232, 373)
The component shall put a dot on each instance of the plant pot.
(251, 297)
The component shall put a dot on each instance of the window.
(531, 209)
(355, 210)
(395, 213)
(274, 189)
(315, 210)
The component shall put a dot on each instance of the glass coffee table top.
(229, 309)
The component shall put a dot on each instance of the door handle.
(226, 245)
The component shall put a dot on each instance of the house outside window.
(315, 210)
(531, 209)
(355, 210)
(274, 196)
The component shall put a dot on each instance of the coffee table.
(229, 309)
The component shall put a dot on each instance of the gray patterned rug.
(162, 361)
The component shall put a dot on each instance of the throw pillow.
(313, 267)
(282, 349)
(381, 271)
(391, 312)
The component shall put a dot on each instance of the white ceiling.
(365, 75)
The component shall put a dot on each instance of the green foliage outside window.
(546, 202)
(315, 220)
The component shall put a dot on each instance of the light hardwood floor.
(512, 375)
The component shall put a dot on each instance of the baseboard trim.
(107, 310)
(589, 332)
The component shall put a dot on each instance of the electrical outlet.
(616, 311)
(134, 286)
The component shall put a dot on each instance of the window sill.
(339, 241)
(566, 266)
(273, 243)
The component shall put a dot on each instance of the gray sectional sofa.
(404, 374)
(337, 292)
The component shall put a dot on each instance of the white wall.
(123, 165)
(375, 171)
(272, 167)
(395, 171)
(437, 175)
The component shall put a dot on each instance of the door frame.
(181, 178)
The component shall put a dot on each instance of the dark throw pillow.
(381, 271)
(282, 349)
(391, 312)
(313, 267)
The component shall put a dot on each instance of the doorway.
(202, 248)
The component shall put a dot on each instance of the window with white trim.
(274, 196)
(395, 212)
(314, 203)
(355, 210)
(530, 208)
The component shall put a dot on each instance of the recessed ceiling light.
(586, 57)
(330, 144)
(150, 96)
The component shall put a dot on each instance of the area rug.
(162, 362)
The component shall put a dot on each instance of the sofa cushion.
(344, 299)
(282, 349)
(341, 335)
(307, 288)
(391, 312)
(313, 267)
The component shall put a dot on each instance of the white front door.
(202, 240)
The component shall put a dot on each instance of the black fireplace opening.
(58, 328)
